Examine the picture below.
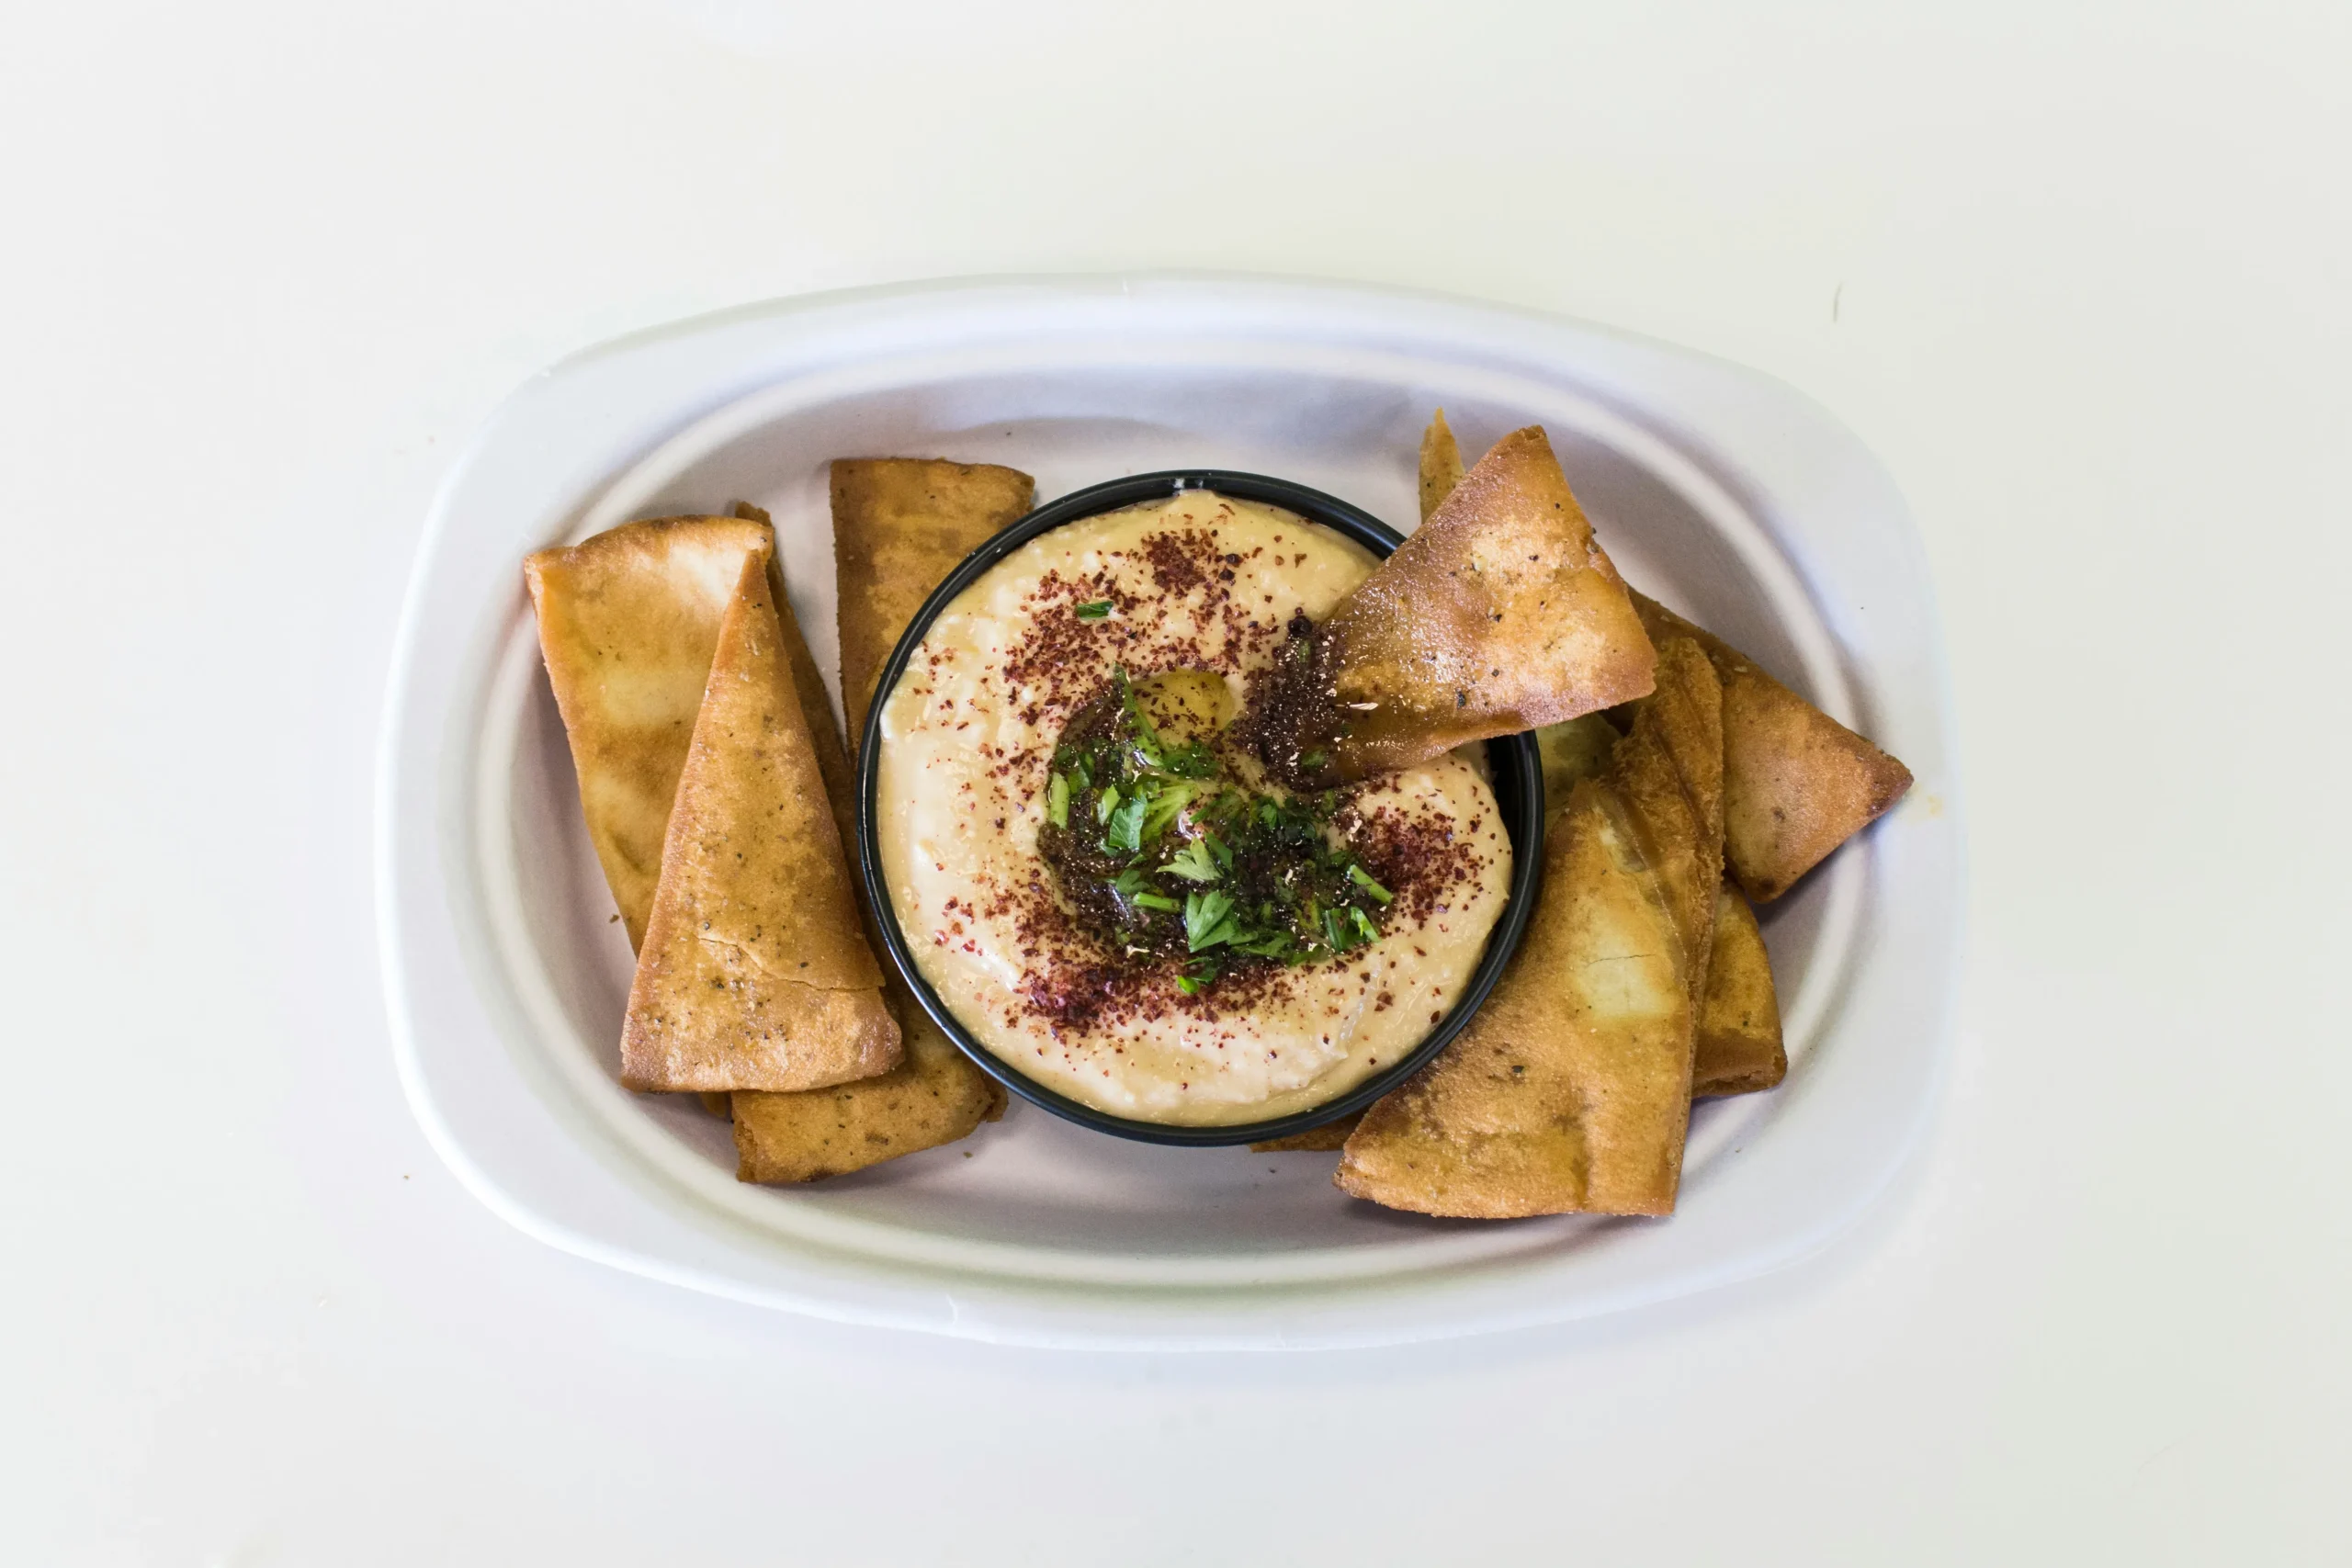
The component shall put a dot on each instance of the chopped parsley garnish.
(1123, 829)
(1194, 863)
(1191, 864)
(1094, 610)
(1208, 919)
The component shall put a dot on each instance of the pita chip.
(1740, 1049)
(1797, 784)
(1441, 464)
(933, 1096)
(1572, 752)
(628, 621)
(1669, 772)
(1501, 613)
(754, 973)
(1570, 1090)
(901, 525)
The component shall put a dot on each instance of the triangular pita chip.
(1440, 464)
(1740, 1049)
(1570, 1090)
(934, 1096)
(1797, 784)
(628, 621)
(1502, 612)
(754, 973)
(901, 525)
(1669, 772)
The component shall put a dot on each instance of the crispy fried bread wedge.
(1797, 784)
(1740, 1049)
(754, 973)
(1572, 752)
(1669, 771)
(1570, 1090)
(1502, 612)
(628, 621)
(900, 527)
(934, 1096)
(900, 524)
(1441, 464)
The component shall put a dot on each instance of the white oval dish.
(1726, 493)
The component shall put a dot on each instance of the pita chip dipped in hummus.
(1570, 1090)
(754, 973)
(1501, 613)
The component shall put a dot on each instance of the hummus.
(969, 736)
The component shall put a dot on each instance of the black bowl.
(1518, 783)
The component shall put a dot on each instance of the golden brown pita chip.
(1669, 772)
(1797, 784)
(1570, 1090)
(1502, 614)
(1572, 752)
(1441, 464)
(754, 973)
(1740, 1049)
(1315, 1140)
(901, 525)
(628, 621)
(934, 1096)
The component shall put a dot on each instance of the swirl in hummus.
(974, 768)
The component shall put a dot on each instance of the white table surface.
(2084, 280)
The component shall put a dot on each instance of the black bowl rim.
(1517, 754)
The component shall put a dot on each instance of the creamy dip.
(1197, 581)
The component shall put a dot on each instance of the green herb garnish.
(1251, 877)
(1094, 610)
(1194, 863)
(1207, 920)
(1123, 829)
